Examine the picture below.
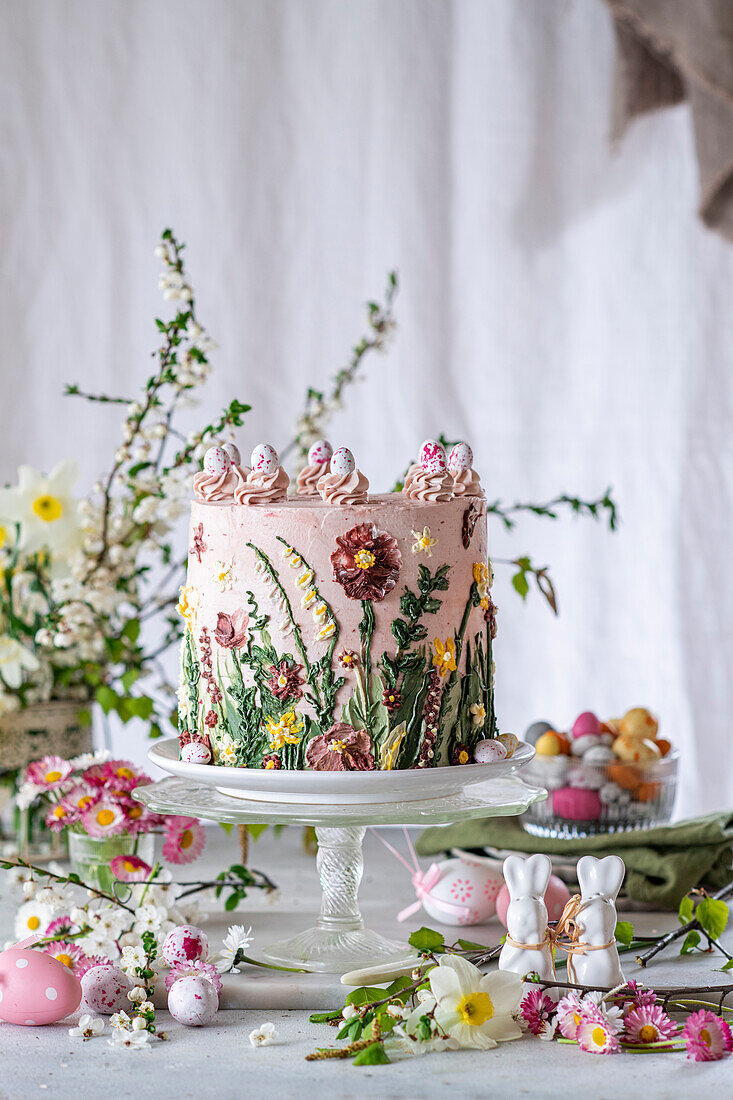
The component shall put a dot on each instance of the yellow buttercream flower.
(285, 731)
(424, 542)
(388, 751)
(444, 657)
(225, 574)
(187, 605)
(478, 714)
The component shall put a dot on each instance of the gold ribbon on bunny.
(566, 926)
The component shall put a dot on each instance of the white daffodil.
(15, 659)
(237, 939)
(44, 508)
(474, 1008)
(263, 1036)
(87, 1028)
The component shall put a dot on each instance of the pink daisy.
(130, 869)
(184, 839)
(648, 1023)
(71, 956)
(569, 1015)
(80, 797)
(535, 1010)
(61, 926)
(198, 967)
(597, 1035)
(707, 1037)
(59, 816)
(49, 772)
(104, 818)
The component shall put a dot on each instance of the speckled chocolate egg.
(105, 989)
(640, 723)
(263, 459)
(35, 988)
(489, 750)
(196, 752)
(636, 750)
(579, 746)
(342, 462)
(510, 743)
(184, 944)
(460, 458)
(551, 771)
(599, 754)
(586, 777)
(233, 454)
(193, 1001)
(535, 731)
(216, 461)
(320, 452)
(586, 724)
(432, 457)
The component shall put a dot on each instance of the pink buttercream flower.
(707, 1037)
(130, 869)
(199, 968)
(535, 1011)
(648, 1023)
(184, 839)
(285, 681)
(341, 748)
(211, 719)
(103, 818)
(231, 630)
(49, 772)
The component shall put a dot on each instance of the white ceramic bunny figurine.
(526, 918)
(600, 881)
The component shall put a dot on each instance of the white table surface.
(218, 1063)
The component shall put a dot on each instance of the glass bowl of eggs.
(601, 777)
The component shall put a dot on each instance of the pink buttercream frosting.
(344, 488)
(259, 488)
(466, 483)
(218, 487)
(308, 479)
(421, 485)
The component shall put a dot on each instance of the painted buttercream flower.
(341, 748)
(272, 762)
(461, 754)
(288, 730)
(473, 1008)
(49, 772)
(707, 1037)
(199, 547)
(478, 714)
(648, 1023)
(130, 868)
(224, 574)
(326, 631)
(231, 630)
(15, 659)
(187, 605)
(104, 818)
(44, 507)
(347, 658)
(285, 680)
(444, 657)
(263, 1036)
(390, 747)
(535, 1011)
(184, 840)
(484, 577)
(391, 699)
(227, 752)
(211, 719)
(367, 562)
(424, 542)
(198, 968)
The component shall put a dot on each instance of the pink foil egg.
(432, 456)
(556, 897)
(586, 724)
(460, 458)
(264, 459)
(233, 454)
(342, 462)
(488, 751)
(105, 989)
(576, 804)
(216, 461)
(320, 452)
(195, 752)
(470, 887)
(35, 988)
(193, 1001)
(184, 944)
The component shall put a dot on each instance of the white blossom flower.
(236, 939)
(133, 958)
(15, 659)
(138, 1024)
(263, 1036)
(136, 995)
(44, 508)
(132, 1040)
(472, 1008)
(87, 1028)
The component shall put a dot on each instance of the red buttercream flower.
(231, 630)
(391, 699)
(367, 562)
(285, 681)
(341, 748)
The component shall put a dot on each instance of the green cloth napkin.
(662, 864)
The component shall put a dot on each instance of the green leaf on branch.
(686, 910)
(373, 1055)
(625, 932)
(324, 1017)
(427, 940)
(712, 915)
(521, 584)
(692, 939)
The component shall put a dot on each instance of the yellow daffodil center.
(186, 839)
(105, 817)
(53, 777)
(475, 1009)
(33, 923)
(364, 559)
(706, 1037)
(48, 508)
(65, 960)
(648, 1033)
(598, 1036)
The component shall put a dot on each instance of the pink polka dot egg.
(184, 944)
(465, 893)
(320, 453)
(35, 988)
(193, 1001)
(460, 458)
(216, 461)
(342, 462)
(232, 452)
(105, 989)
(432, 457)
(264, 459)
(195, 752)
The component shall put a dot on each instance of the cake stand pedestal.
(339, 940)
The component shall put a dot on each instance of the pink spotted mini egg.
(342, 462)
(489, 751)
(472, 886)
(460, 458)
(216, 461)
(184, 944)
(320, 453)
(193, 1001)
(195, 752)
(105, 989)
(432, 457)
(264, 459)
(35, 988)
(233, 454)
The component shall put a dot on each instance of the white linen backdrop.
(561, 307)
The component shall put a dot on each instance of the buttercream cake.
(332, 629)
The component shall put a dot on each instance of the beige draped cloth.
(674, 50)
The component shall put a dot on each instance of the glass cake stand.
(338, 941)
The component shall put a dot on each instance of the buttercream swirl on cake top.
(344, 484)
(266, 482)
(429, 479)
(466, 481)
(319, 457)
(219, 479)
